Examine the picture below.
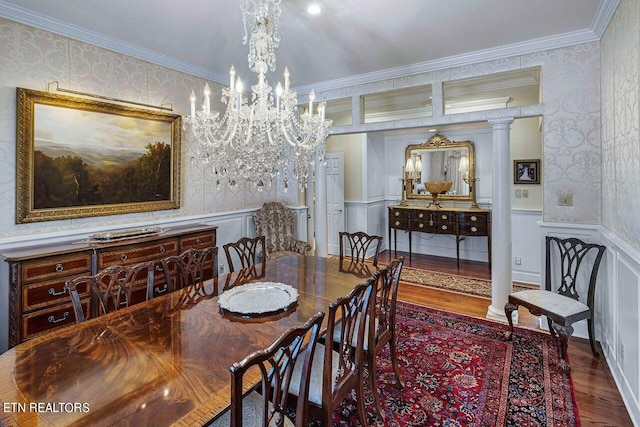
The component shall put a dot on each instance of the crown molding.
(603, 16)
(505, 51)
(38, 20)
(601, 21)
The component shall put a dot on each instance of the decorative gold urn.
(436, 188)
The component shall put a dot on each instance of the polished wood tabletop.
(161, 362)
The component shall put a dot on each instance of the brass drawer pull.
(163, 290)
(421, 215)
(474, 218)
(421, 225)
(444, 217)
(53, 320)
(59, 267)
(123, 256)
(162, 249)
(158, 267)
(430, 223)
(474, 229)
(397, 223)
(397, 213)
(53, 292)
(198, 241)
(444, 227)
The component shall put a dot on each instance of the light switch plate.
(565, 199)
(518, 194)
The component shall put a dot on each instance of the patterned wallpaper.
(32, 58)
(571, 121)
(571, 108)
(620, 79)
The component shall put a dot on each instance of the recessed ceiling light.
(432, 130)
(314, 9)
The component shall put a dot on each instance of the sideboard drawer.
(424, 226)
(472, 217)
(422, 215)
(399, 214)
(479, 229)
(445, 227)
(59, 266)
(44, 320)
(43, 294)
(399, 223)
(137, 253)
(202, 240)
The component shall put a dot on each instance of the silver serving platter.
(258, 298)
(126, 234)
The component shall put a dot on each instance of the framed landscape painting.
(77, 157)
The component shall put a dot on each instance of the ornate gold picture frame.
(78, 157)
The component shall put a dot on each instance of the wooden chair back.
(351, 311)
(246, 252)
(570, 254)
(276, 364)
(190, 267)
(110, 289)
(358, 245)
(383, 307)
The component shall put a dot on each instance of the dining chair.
(334, 374)
(110, 289)
(380, 327)
(560, 301)
(276, 365)
(188, 268)
(359, 246)
(276, 222)
(247, 252)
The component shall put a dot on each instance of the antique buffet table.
(460, 222)
(38, 298)
(159, 362)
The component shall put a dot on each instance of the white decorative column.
(322, 240)
(501, 274)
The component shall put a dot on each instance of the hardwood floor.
(599, 402)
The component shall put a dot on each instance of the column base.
(494, 313)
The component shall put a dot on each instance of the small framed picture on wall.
(526, 171)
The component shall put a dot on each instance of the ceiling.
(351, 40)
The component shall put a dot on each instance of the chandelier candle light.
(264, 138)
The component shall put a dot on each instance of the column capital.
(501, 123)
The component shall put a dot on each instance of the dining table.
(164, 361)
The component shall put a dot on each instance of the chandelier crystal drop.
(264, 137)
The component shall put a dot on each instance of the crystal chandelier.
(263, 138)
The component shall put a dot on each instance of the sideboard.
(460, 222)
(38, 296)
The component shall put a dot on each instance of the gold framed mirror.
(440, 159)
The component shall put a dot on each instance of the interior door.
(335, 200)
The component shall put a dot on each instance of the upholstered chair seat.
(275, 221)
(252, 410)
(317, 369)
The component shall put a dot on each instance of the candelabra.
(464, 169)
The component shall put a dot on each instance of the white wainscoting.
(617, 311)
(617, 304)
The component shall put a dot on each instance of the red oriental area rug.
(459, 371)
